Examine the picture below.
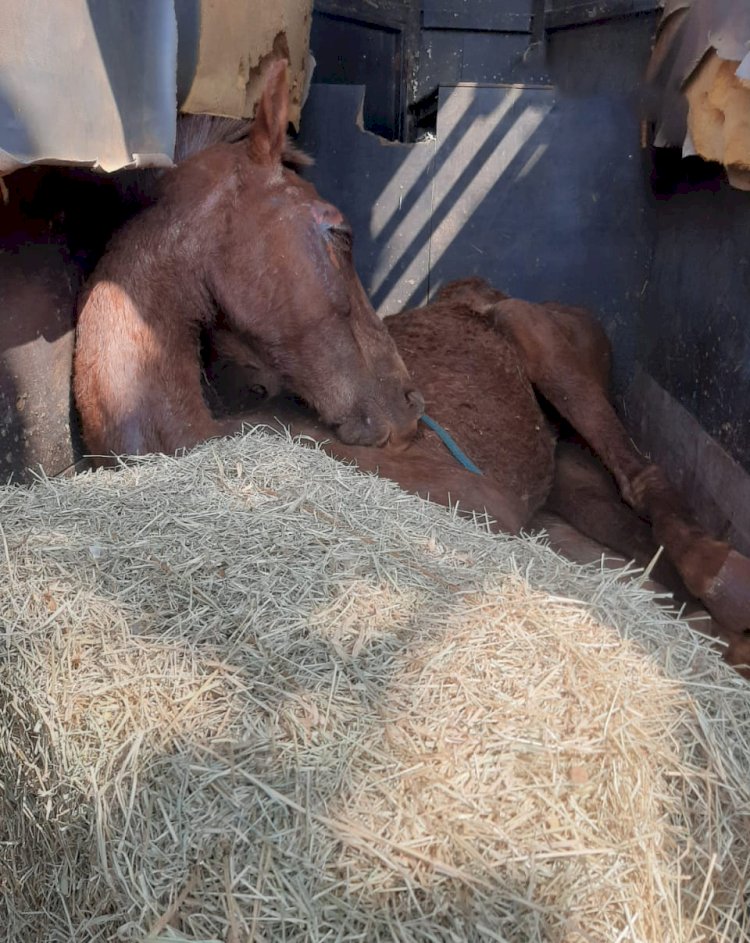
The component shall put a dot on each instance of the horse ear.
(267, 137)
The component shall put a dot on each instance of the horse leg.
(573, 544)
(566, 356)
(564, 538)
(561, 351)
(712, 570)
(586, 496)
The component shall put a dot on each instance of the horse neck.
(163, 257)
(154, 261)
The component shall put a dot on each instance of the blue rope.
(450, 444)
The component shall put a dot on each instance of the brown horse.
(235, 231)
(483, 361)
(241, 247)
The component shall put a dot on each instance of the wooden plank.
(602, 59)
(493, 58)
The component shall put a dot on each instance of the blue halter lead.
(450, 444)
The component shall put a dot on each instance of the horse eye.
(343, 234)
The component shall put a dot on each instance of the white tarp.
(95, 82)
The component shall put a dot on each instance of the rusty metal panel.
(237, 39)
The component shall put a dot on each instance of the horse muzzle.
(380, 427)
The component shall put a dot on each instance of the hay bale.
(253, 695)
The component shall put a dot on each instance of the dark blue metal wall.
(570, 208)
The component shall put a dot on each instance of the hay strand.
(250, 694)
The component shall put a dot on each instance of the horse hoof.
(728, 595)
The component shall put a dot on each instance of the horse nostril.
(415, 399)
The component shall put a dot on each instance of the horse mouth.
(362, 433)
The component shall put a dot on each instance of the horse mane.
(195, 133)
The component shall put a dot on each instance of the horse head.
(281, 269)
